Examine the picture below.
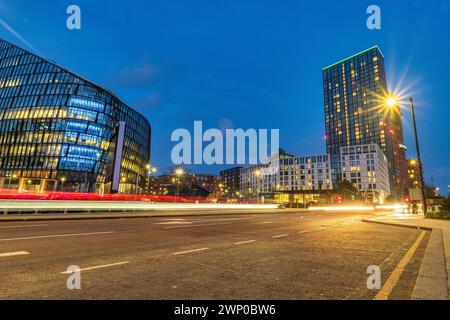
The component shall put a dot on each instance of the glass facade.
(58, 130)
(352, 90)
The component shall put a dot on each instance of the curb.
(409, 226)
(432, 280)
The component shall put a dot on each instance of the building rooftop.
(357, 54)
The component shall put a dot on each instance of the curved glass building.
(59, 131)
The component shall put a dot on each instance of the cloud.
(151, 101)
(140, 75)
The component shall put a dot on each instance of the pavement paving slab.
(433, 281)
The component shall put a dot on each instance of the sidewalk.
(432, 282)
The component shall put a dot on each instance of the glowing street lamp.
(179, 172)
(258, 186)
(150, 169)
(63, 179)
(391, 101)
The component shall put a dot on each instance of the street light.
(63, 179)
(258, 180)
(10, 177)
(150, 169)
(179, 172)
(422, 186)
(391, 102)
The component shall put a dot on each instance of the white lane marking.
(224, 219)
(174, 222)
(305, 231)
(99, 267)
(189, 251)
(280, 236)
(244, 242)
(13, 254)
(197, 225)
(264, 222)
(58, 236)
(24, 226)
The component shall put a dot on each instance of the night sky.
(245, 64)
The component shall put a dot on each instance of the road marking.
(197, 225)
(58, 236)
(244, 242)
(99, 267)
(224, 219)
(390, 283)
(24, 226)
(264, 222)
(305, 231)
(189, 251)
(280, 236)
(13, 254)
(174, 222)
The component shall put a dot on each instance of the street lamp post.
(62, 183)
(421, 183)
(150, 170)
(137, 184)
(179, 172)
(258, 185)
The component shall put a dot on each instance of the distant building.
(230, 179)
(366, 167)
(355, 93)
(189, 184)
(207, 181)
(289, 178)
(413, 174)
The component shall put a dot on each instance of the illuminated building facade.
(231, 181)
(59, 131)
(366, 167)
(413, 174)
(288, 174)
(354, 90)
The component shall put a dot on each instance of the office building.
(59, 131)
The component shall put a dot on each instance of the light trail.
(56, 205)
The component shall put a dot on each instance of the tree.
(347, 189)
(446, 204)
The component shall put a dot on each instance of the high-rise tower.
(355, 111)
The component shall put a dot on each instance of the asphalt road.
(251, 256)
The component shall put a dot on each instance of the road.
(273, 255)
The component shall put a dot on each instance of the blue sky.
(245, 64)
